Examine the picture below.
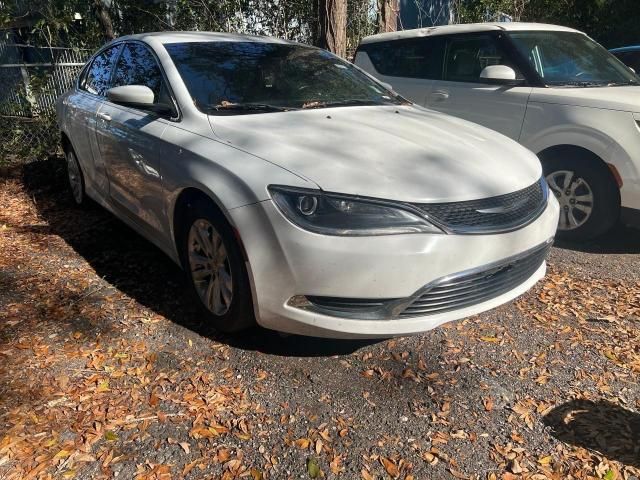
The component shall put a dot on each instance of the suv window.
(138, 66)
(98, 74)
(468, 56)
(412, 58)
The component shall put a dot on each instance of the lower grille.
(470, 288)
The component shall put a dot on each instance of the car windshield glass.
(255, 77)
(571, 59)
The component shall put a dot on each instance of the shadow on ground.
(600, 426)
(137, 268)
(621, 239)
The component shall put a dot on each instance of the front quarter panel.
(231, 177)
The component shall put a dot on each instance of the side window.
(138, 66)
(98, 74)
(468, 56)
(412, 58)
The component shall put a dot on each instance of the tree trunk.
(102, 13)
(388, 15)
(332, 18)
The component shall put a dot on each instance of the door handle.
(440, 95)
(104, 116)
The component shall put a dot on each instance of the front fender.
(230, 177)
(611, 135)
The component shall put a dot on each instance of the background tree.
(388, 15)
(332, 21)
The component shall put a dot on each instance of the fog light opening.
(299, 301)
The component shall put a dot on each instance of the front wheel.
(216, 269)
(75, 177)
(587, 195)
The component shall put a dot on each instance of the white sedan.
(298, 192)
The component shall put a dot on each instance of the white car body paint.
(136, 166)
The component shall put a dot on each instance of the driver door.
(131, 142)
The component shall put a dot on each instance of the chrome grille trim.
(476, 286)
(497, 214)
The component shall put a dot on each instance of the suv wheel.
(216, 270)
(587, 195)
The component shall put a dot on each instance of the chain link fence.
(31, 79)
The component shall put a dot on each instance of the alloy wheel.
(75, 177)
(575, 197)
(209, 266)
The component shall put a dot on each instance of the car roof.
(185, 37)
(466, 28)
(631, 48)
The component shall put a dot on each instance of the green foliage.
(613, 23)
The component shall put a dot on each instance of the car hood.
(626, 99)
(404, 153)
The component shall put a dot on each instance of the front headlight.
(337, 214)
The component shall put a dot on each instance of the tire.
(205, 238)
(588, 195)
(75, 177)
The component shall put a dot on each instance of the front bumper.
(285, 261)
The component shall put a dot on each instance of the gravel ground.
(106, 370)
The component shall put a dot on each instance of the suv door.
(464, 94)
(131, 140)
(408, 65)
(82, 106)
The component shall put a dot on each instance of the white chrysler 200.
(298, 192)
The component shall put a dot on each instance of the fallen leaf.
(390, 466)
(313, 469)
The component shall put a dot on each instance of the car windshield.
(571, 59)
(254, 77)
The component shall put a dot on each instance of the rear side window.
(468, 56)
(138, 66)
(411, 58)
(98, 74)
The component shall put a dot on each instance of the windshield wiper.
(341, 103)
(247, 107)
(577, 83)
(623, 84)
(585, 83)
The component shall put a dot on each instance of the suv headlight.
(345, 215)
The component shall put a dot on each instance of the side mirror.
(138, 96)
(499, 75)
(386, 85)
(632, 69)
(131, 95)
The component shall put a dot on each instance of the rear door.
(131, 141)
(82, 107)
(408, 65)
(463, 94)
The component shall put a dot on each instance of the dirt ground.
(106, 370)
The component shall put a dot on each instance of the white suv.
(551, 88)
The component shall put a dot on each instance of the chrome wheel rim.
(75, 177)
(210, 267)
(575, 197)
